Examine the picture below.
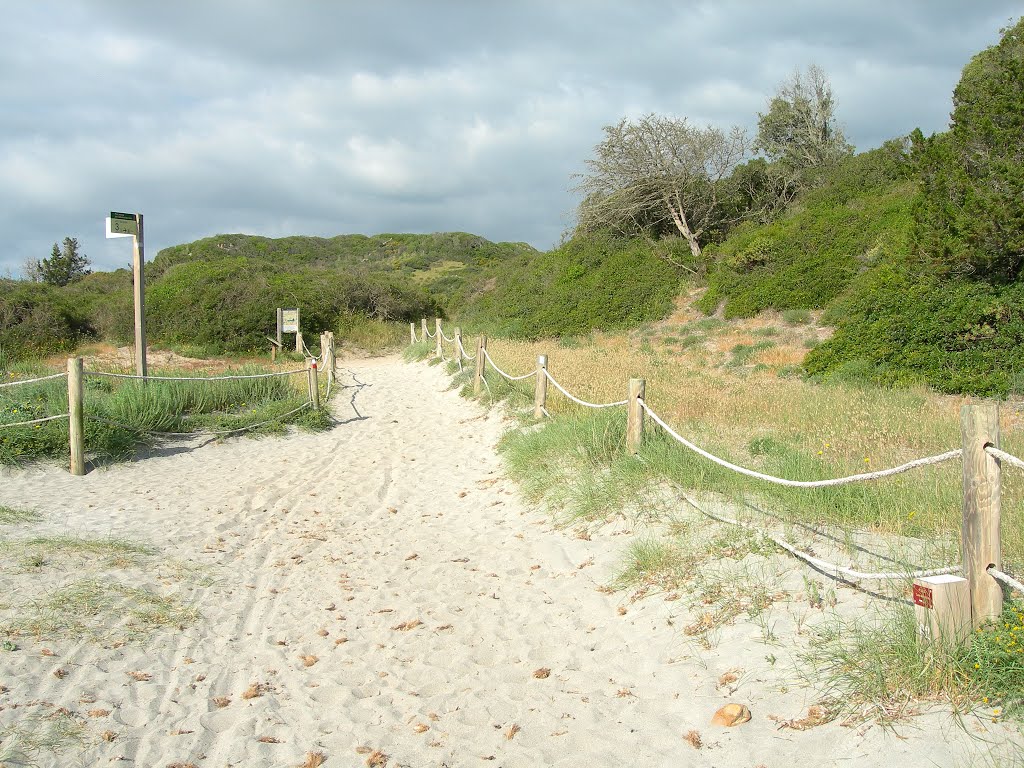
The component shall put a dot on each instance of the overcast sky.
(283, 117)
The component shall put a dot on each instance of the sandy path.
(392, 550)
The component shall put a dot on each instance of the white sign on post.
(290, 321)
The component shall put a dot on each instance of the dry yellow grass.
(848, 428)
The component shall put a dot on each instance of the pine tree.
(64, 266)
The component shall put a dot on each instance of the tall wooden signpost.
(130, 225)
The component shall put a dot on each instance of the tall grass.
(121, 414)
(787, 427)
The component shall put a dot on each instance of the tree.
(799, 129)
(660, 175)
(970, 210)
(64, 266)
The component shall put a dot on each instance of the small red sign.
(922, 596)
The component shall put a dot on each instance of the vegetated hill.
(221, 292)
(859, 215)
(595, 282)
(443, 263)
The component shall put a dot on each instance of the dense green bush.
(231, 303)
(899, 324)
(594, 282)
(970, 213)
(808, 257)
(38, 319)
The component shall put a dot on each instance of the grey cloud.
(328, 117)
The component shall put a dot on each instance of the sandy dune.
(389, 599)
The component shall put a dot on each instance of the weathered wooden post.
(458, 345)
(437, 333)
(280, 327)
(314, 386)
(334, 355)
(76, 416)
(481, 361)
(979, 426)
(298, 342)
(423, 329)
(540, 393)
(273, 352)
(635, 415)
(412, 333)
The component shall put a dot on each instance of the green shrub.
(796, 316)
(860, 213)
(596, 282)
(900, 325)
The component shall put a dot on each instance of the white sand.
(286, 545)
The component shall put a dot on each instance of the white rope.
(33, 381)
(545, 412)
(803, 483)
(200, 433)
(1009, 458)
(429, 334)
(819, 563)
(562, 389)
(34, 421)
(462, 349)
(194, 378)
(450, 341)
(506, 375)
(1006, 579)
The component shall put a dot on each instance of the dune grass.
(122, 414)
(100, 610)
(12, 516)
(66, 587)
(53, 733)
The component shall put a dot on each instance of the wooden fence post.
(481, 361)
(458, 343)
(635, 415)
(314, 386)
(333, 370)
(437, 332)
(298, 342)
(540, 394)
(412, 333)
(76, 416)
(423, 329)
(979, 426)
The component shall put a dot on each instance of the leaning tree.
(660, 175)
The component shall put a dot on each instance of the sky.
(318, 117)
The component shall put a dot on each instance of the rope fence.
(33, 421)
(232, 377)
(77, 412)
(977, 596)
(859, 478)
(33, 381)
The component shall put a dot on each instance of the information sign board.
(290, 321)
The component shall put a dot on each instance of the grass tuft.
(11, 516)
